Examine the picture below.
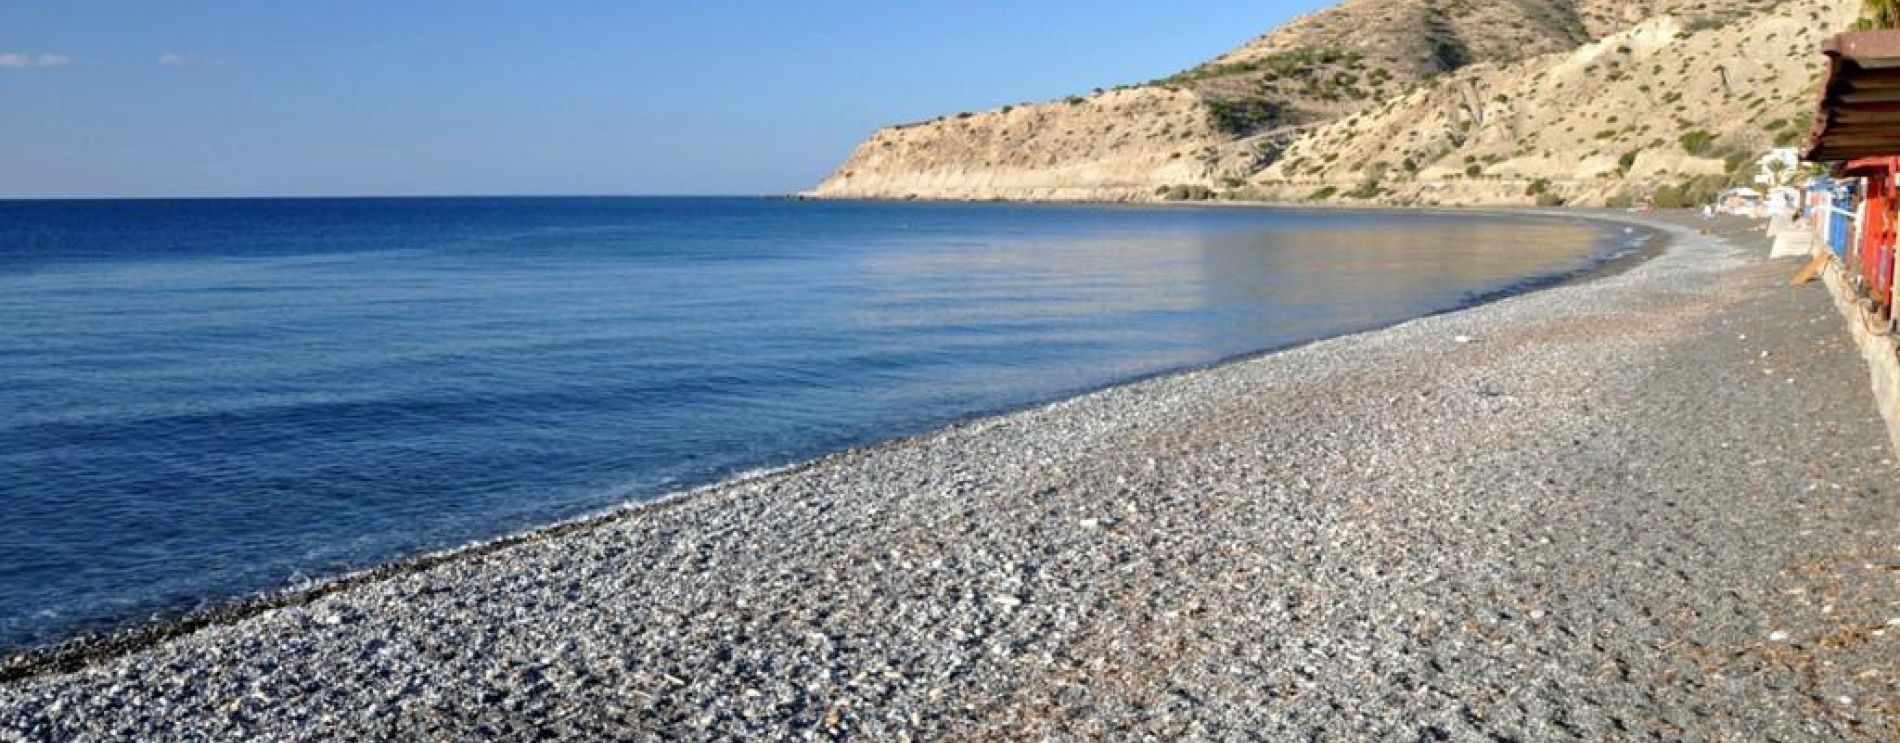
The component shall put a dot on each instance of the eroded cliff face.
(1396, 101)
(1117, 146)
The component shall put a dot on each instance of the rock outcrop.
(1118, 146)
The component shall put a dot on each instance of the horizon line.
(293, 197)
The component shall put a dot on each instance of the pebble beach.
(1657, 504)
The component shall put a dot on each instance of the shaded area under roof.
(1859, 114)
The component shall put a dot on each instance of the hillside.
(1396, 101)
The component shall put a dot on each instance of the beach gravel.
(1652, 506)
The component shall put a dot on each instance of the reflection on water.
(1191, 297)
(204, 398)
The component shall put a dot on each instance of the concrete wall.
(1881, 351)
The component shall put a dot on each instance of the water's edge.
(89, 647)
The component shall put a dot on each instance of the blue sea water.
(205, 398)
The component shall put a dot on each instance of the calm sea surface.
(200, 399)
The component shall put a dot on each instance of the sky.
(136, 98)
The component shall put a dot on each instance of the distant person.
(1708, 211)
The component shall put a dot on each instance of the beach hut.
(1830, 209)
(1784, 201)
(1857, 131)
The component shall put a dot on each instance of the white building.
(1777, 167)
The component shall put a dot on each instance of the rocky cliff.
(1401, 101)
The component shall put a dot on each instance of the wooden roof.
(1859, 114)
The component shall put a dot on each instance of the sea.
(205, 399)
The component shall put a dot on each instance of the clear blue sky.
(253, 97)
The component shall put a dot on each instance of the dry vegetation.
(1406, 101)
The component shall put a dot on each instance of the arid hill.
(1402, 101)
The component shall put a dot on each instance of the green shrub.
(1369, 187)
(1549, 199)
(1323, 194)
(1690, 193)
(1698, 142)
(1474, 170)
(1186, 193)
(1619, 201)
(1241, 116)
(1703, 189)
(1794, 131)
(1670, 197)
(1538, 187)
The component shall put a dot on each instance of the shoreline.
(85, 648)
(1604, 510)
(1217, 203)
